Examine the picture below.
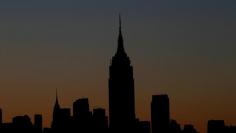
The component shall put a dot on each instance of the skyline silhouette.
(122, 116)
(185, 49)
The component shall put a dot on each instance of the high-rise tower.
(61, 122)
(160, 114)
(56, 113)
(121, 89)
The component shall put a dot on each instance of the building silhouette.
(56, 114)
(189, 129)
(174, 127)
(218, 126)
(142, 126)
(22, 124)
(121, 90)
(160, 114)
(82, 116)
(61, 122)
(100, 120)
(122, 117)
(38, 123)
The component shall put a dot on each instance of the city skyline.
(190, 57)
(122, 114)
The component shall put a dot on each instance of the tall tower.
(61, 119)
(82, 115)
(121, 89)
(160, 114)
(38, 123)
(56, 113)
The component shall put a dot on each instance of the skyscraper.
(38, 123)
(61, 122)
(82, 115)
(22, 124)
(56, 114)
(99, 120)
(160, 114)
(81, 108)
(216, 126)
(121, 89)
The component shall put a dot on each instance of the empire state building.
(121, 89)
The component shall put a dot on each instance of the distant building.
(6, 128)
(38, 123)
(142, 127)
(100, 121)
(216, 126)
(81, 109)
(121, 90)
(230, 129)
(82, 117)
(22, 124)
(189, 129)
(174, 127)
(47, 130)
(56, 115)
(61, 122)
(65, 118)
(160, 114)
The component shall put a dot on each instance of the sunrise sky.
(183, 48)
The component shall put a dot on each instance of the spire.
(57, 106)
(56, 96)
(120, 24)
(56, 112)
(120, 48)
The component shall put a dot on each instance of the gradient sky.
(185, 48)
